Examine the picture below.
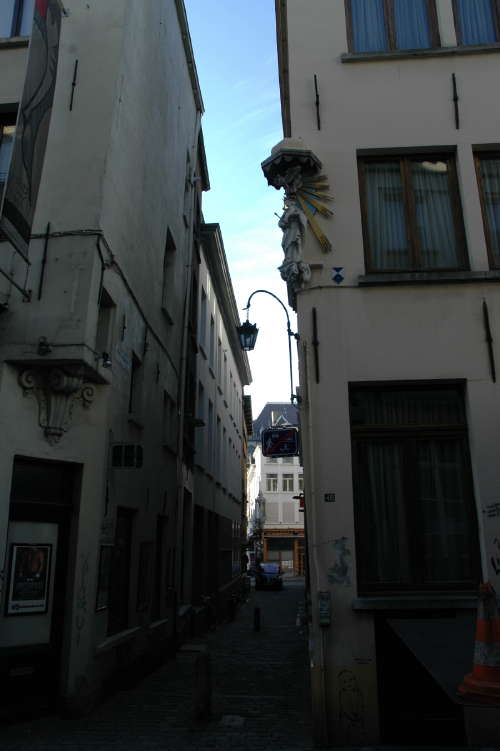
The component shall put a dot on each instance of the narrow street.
(260, 694)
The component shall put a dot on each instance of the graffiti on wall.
(351, 708)
(82, 597)
(340, 571)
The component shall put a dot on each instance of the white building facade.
(399, 322)
(100, 270)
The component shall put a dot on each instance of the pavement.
(260, 693)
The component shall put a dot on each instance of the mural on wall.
(351, 708)
(340, 571)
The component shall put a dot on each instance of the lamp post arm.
(266, 292)
(289, 332)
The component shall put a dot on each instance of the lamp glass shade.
(247, 333)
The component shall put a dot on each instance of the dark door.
(120, 572)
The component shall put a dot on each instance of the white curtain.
(389, 533)
(412, 24)
(387, 234)
(476, 21)
(27, 17)
(445, 550)
(6, 146)
(490, 174)
(6, 13)
(434, 215)
(368, 25)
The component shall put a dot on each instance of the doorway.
(37, 582)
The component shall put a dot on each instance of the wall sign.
(29, 577)
(329, 497)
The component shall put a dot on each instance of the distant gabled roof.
(275, 413)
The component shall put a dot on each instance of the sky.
(235, 50)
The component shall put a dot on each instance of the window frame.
(287, 482)
(404, 159)
(495, 5)
(478, 156)
(7, 119)
(271, 479)
(390, 26)
(407, 437)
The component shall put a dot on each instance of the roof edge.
(188, 49)
(283, 67)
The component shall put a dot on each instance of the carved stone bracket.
(295, 168)
(56, 391)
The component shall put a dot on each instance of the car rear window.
(270, 568)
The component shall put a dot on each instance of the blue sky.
(235, 49)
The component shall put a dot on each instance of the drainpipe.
(316, 638)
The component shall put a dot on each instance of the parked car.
(268, 576)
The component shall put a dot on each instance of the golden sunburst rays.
(311, 197)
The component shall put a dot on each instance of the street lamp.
(247, 333)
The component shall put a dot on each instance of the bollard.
(202, 688)
(256, 619)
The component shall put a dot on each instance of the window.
(412, 219)
(168, 276)
(488, 173)
(271, 460)
(288, 483)
(203, 319)
(385, 25)
(169, 422)
(16, 17)
(288, 459)
(477, 21)
(272, 483)
(219, 362)
(301, 482)
(135, 392)
(210, 437)
(211, 359)
(414, 510)
(7, 134)
(105, 320)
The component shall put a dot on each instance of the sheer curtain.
(386, 216)
(445, 549)
(6, 146)
(6, 13)
(27, 17)
(490, 174)
(476, 21)
(368, 25)
(389, 534)
(434, 215)
(412, 24)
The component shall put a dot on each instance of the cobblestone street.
(260, 694)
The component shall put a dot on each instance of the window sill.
(167, 315)
(210, 370)
(13, 42)
(135, 420)
(415, 602)
(368, 57)
(428, 277)
(202, 351)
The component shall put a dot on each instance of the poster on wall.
(29, 579)
(32, 126)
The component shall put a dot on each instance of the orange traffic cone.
(483, 684)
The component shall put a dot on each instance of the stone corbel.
(56, 391)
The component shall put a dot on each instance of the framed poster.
(104, 577)
(29, 579)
